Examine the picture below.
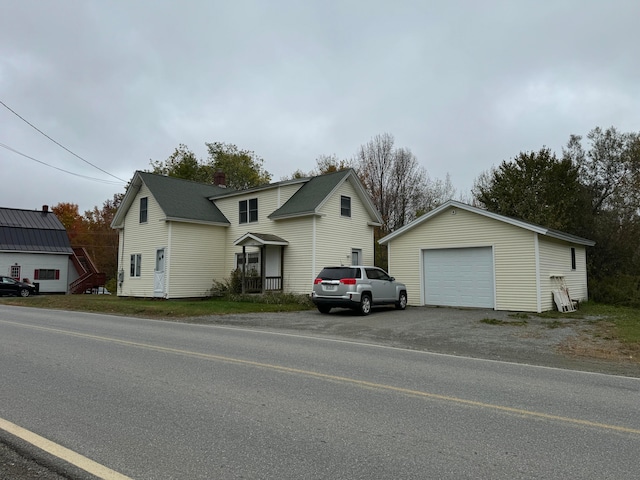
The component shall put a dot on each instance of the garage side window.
(143, 209)
(136, 262)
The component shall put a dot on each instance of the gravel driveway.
(514, 337)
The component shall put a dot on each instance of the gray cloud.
(463, 84)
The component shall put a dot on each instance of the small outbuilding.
(462, 256)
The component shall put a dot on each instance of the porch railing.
(254, 284)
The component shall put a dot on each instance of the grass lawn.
(621, 324)
(159, 308)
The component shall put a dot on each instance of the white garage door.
(459, 277)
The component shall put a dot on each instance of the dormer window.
(248, 210)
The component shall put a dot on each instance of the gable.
(180, 200)
(311, 197)
(453, 206)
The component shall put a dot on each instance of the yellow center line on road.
(337, 378)
(61, 452)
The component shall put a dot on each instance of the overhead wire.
(101, 180)
(57, 143)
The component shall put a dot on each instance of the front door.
(158, 277)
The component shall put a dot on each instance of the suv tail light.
(348, 281)
(317, 281)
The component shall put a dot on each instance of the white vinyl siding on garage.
(459, 277)
(555, 259)
(513, 252)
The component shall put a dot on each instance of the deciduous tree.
(242, 168)
(183, 163)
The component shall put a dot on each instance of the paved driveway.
(519, 338)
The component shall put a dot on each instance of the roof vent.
(45, 208)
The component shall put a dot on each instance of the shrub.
(621, 290)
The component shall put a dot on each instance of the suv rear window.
(336, 273)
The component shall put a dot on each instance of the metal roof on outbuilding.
(32, 231)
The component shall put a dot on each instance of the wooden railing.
(89, 275)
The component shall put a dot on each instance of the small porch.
(261, 262)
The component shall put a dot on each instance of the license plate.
(330, 288)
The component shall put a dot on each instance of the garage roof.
(567, 237)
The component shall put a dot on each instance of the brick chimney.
(45, 208)
(219, 179)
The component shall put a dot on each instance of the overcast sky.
(463, 84)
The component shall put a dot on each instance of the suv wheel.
(24, 292)
(365, 304)
(401, 304)
(324, 309)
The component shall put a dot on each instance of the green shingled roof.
(311, 195)
(183, 199)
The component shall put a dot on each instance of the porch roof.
(259, 239)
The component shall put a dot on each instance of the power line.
(101, 180)
(57, 143)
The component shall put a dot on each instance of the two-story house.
(178, 236)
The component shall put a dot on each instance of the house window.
(248, 210)
(252, 266)
(345, 206)
(136, 261)
(356, 254)
(573, 258)
(15, 272)
(46, 274)
(144, 201)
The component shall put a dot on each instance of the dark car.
(357, 287)
(11, 286)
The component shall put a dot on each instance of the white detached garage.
(462, 256)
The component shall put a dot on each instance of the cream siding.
(297, 276)
(269, 200)
(196, 254)
(336, 235)
(194, 259)
(513, 251)
(555, 259)
(143, 239)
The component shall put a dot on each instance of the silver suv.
(358, 288)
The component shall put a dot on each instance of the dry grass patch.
(600, 340)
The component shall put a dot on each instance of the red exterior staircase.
(89, 275)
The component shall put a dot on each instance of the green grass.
(495, 321)
(159, 308)
(554, 324)
(624, 321)
(621, 323)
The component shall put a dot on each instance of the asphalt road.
(155, 400)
